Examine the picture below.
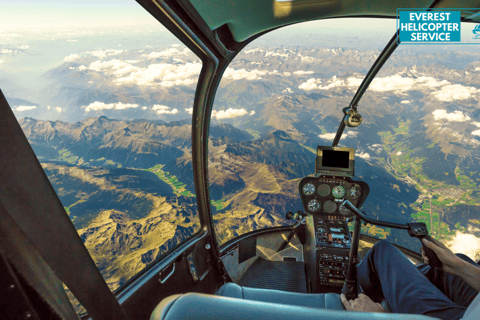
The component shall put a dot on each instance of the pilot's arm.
(453, 264)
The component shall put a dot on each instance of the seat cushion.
(194, 306)
(311, 300)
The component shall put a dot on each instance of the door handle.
(168, 276)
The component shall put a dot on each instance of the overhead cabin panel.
(246, 18)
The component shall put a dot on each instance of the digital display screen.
(335, 281)
(335, 159)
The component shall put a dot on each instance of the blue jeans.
(386, 273)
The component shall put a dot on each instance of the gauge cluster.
(327, 232)
(324, 195)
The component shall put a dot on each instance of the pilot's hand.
(362, 303)
(450, 261)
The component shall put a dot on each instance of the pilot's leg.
(452, 286)
(386, 272)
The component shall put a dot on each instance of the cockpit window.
(428, 140)
(283, 96)
(104, 96)
(280, 98)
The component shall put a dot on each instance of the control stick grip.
(433, 260)
(419, 230)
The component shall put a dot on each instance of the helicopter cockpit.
(200, 176)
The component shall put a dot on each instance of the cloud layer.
(465, 243)
(399, 84)
(97, 106)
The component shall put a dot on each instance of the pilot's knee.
(383, 245)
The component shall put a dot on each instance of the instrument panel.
(324, 194)
(329, 239)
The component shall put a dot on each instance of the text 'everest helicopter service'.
(187, 159)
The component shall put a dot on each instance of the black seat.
(315, 300)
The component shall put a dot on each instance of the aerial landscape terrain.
(112, 130)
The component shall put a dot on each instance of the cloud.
(252, 113)
(239, 74)
(253, 50)
(331, 136)
(160, 109)
(71, 58)
(307, 59)
(189, 110)
(118, 66)
(456, 116)
(363, 155)
(327, 136)
(59, 110)
(83, 67)
(72, 40)
(24, 47)
(24, 108)
(301, 72)
(392, 83)
(271, 53)
(1, 61)
(476, 124)
(96, 106)
(170, 52)
(476, 133)
(229, 113)
(405, 101)
(465, 243)
(399, 83)
(311, 84)
(455, 92)
(314, 83)
(164, 74)
(6, 51)
(144, 108)
(104, 53)
(287, 90)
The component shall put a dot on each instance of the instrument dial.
(329, 206)
(344, 210)
(308, 189)
(354, 192)
(313, 205)
(324, 190)
(338, 191)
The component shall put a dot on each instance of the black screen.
(336, 159)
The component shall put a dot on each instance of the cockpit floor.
(277, 275)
